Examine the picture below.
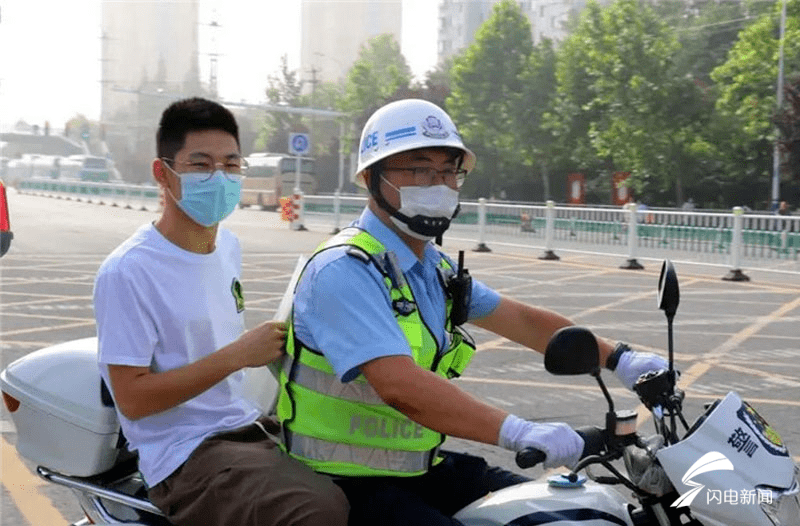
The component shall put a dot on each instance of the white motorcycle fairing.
(733, 462)
(534, 503)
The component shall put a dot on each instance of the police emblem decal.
(765, 433)
(432, 127)
(238, 295)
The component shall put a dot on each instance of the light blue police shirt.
(342, 307)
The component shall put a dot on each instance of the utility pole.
(314, 82)
(212, 80)
(776, 154)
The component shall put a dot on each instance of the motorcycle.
(729, 468)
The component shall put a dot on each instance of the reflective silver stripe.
(342, 237)
(329, 384)
(374, 458)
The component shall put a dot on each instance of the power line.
(694, 28)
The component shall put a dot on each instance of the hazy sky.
(50, 52)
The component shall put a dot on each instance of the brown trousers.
(242, 478)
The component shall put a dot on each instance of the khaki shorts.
(242, 478)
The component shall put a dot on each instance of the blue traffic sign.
(299, 143)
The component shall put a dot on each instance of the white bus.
(271, 176)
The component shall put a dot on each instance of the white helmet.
(407, 125)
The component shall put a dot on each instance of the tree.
(283, 89)
(748, 97)
(572, 115)
(436, 86)
(535, 103)
(486, 83)
(440, 75)
(788, 122)
(622, 103)
(377, 74)
(706, 32)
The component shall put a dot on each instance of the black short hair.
(188, 115)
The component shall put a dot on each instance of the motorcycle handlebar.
(529, 457)
(594, 442)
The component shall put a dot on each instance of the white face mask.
(425, 211)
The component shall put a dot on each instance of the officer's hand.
(263, 344)
(632, 364)
(561, 445)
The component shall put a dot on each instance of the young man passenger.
(172, 346)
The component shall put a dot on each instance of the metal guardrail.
(116, 194)
(727, 239)
(732, 239)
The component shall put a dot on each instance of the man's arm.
(432, 401)
(139, 392)
(439, 404)
(530, 326)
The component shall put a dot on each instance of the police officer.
(375, 335)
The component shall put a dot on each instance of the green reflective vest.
(345, 428)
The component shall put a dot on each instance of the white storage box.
(61, 421)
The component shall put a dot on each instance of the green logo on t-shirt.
(236, 290)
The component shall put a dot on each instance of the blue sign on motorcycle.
(299, 143)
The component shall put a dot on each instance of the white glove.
(631, 365)
(561, 445)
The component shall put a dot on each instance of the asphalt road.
(739, 336)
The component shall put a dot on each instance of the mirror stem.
(611, 415)
(596, 374)
(670, 350)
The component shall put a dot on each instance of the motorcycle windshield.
(721, 468)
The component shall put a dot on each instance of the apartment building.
(460, 19)
(333, 31)
(146, 46)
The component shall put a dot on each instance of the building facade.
(459, 20)
(149, 58)
(147, 47)
(333, 31)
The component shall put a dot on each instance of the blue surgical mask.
(209, 198)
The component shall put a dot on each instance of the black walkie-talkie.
(459, 286)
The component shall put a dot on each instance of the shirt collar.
(389, 239)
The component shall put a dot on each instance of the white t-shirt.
(160, 306)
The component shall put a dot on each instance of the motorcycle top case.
(61, 420)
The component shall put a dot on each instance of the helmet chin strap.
(425, 227)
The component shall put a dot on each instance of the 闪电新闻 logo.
(712, 461)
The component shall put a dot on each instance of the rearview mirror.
(572, 350)
(668, 294)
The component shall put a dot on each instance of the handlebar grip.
(594, 440)
(594, 443)
(529, 457)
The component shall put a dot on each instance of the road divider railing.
(733, 239)
(141, 197)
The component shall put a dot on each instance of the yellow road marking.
(24, 489)
(49, 317)
(549, 385)
(612, 390)
(50, 328)
(713, 358)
